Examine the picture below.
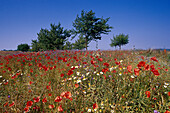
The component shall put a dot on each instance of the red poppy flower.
(51, 106)
(117, 63)
(66, 94)
(152, 67)
(76, 85)
(136, 70)
(146, 67)
(155, 72)
(61, 75)
(93, 62)
(36, 99)
(168, 93)
(58, 99)
(141, 64)
(30, 82)
(70, 72)
(95, 106)
(26, 109)
(48, 87)
(148, 93)
(154, 59)
(29, 104)
(100, 59)
(106, 64)
(104, 76)
(44, 100)
(129, 68)
(167, 111)
(49, 94)
(10, 105)
(6, 104)
(105, 70)
(60, 109)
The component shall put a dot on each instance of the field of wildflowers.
(85, 81)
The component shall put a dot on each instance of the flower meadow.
(85, 81)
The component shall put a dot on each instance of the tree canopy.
(23, 47)
(90, 27)
(119, 40)
(80, 43)
(54, 38)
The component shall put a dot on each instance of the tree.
(54, 38)
(113, 42)
(35, 46)
(23, 47)
(119, 40)
(80, 43)
(68, 46)
(90, 27)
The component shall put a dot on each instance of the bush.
(23, 47)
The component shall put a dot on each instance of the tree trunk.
(86, 43)
(119, 47)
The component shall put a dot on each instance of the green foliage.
(35, 46)
(23, 47)
(119, 40)
(80, 43)
(68, 46)
(51, 39)
(90, 27)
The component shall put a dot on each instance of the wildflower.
(89, 110)
(106, 64)
(58, 99)
(78, 73)
(87, 73)
(6, 104)
(29, 104)
(44, 100)
(154, 59)
(165, 86)
(112, 111)
(155, 72)
(95, 106)
(49, 94)
(51, 106)
(61, 75)
(101, 72)
(10, 105)
(100, 59)
(146, 67)
(66, 94)
(36, 99)
(148, 93)
(132, 76)
(167, 111)
(70, 72)
(78, 81)
(76, 66)
(141, 64)
(60, 109)
(26, 109)
(76, 85)
(136, 70)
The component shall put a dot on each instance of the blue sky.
(147, 22)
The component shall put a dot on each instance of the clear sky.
(146, 21)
